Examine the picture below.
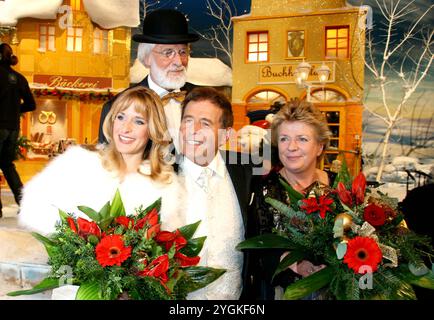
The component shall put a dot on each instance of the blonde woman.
(135, 161)
(300, 133)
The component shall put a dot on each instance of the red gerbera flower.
(375, 215)
(362, 251)
(112, 251)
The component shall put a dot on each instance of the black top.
(15, 97)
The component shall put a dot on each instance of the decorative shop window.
(296, 44)
(337, 42)
(100, 41)
(326, 95)
(334, 123)
(74, 39)
(266, 96)
(47, 38)
(257, 46)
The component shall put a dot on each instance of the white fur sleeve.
(59, 185)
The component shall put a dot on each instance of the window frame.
(74, 37)
(258, 52)
(336, 48)
(47, 36)
(103, 38)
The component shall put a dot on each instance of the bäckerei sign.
(72, 82)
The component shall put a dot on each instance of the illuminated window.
(47, 37)
(100, 41)
(74, 39)
(267, 96)
(257, 46)
(337, 42)
(326, 95)
(76, 5)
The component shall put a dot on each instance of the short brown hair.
(306, 112)
(216, 98)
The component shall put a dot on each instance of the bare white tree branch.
(220, 35)
(417, 60)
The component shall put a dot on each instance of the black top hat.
(165, 26)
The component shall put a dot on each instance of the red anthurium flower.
(180, 242)
(86, 228)
(152, 231)
(171, 237)
(124, 221)
(185, 261)
(375, 215)
(71, 223)
(112, 251)
(157, 268)
(363, 252)
(344, 194)
(359, 187)
(151, 219)
(164, 236)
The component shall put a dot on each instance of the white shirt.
(222, 224)
(172, 111)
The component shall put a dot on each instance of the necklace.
(296, 184)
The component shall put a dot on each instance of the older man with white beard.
(164, 50)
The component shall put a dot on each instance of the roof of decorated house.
(107, 14)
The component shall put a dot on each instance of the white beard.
(166, 81)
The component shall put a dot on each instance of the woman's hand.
(305, 268)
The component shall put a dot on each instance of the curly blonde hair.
(148, 104)
(306, 112)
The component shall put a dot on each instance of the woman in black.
(300, 133)
(15, 98)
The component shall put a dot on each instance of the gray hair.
(143, 51)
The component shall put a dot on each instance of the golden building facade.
(276, 37)
(73, 66)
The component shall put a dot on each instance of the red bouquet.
(115, 256)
